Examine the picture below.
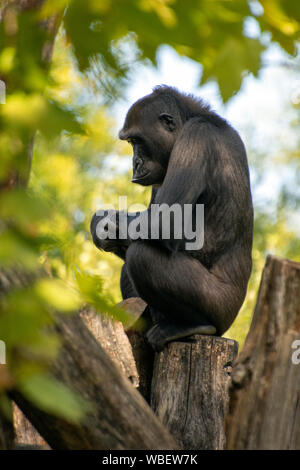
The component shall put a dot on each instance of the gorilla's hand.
(106, 233)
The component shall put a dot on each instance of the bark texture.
(112, 337)
(119, 419)
(190, 390)
(265, 396)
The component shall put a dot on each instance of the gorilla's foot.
(162, 333)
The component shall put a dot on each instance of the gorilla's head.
(151, 127)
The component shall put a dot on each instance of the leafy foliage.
(62, 109)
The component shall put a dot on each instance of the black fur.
(188, 154)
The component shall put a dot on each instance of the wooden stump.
(265, 396)
(144, 358)
(190, 390)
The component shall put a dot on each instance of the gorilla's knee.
(139, 264)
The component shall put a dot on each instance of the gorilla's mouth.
(139, 177)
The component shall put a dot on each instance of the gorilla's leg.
(191, 298)
(127, 287)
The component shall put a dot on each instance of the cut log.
(190, 389)
(112, 337)
(264, 408)
(142, 351)
(121, 419)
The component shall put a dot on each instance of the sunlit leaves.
(91, 288)
(23, 315)
(33, 111)
(203, 30)
(55, 293)
(234, 59)
(282, 19)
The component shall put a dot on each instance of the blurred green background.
(242, 56)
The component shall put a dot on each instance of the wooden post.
(264, 410)
(190, 389)
(144, 358)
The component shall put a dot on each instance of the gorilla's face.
(152, 135)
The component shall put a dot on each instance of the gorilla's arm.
(186, 175)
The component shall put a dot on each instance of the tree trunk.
(112, 337)
(144, 358)
(120, 418)
(25, 433)
(265, 395)
(142, 351)
(190, 390)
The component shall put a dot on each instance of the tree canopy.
(57, 130)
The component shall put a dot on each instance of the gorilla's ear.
(167, 121)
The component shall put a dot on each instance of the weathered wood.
(144, 359)
(25, 434)
(119, 412)
(264, 408)
(190, 389)
(142, 351)
(112, 337)
(130, 351)
(120, 417)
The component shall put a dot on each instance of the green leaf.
(230, 63)
(91, 287)
(57, 294)
(53, 397)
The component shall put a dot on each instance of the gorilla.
(190, 156)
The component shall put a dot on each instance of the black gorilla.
(189, 155)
